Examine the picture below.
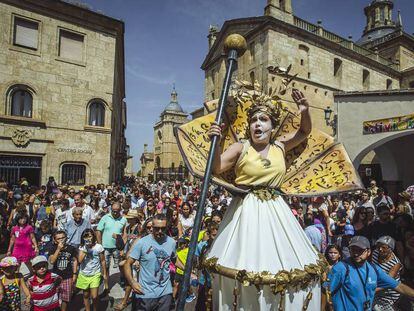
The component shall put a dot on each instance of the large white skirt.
(259, 236)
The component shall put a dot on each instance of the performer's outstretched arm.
(291, 141)
(225, 161)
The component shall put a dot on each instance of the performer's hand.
(300, 100)
(215, 130)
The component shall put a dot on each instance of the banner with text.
(389, 125)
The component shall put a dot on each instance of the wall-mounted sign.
(389, 125)
(73, 150)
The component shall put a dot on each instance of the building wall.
(313, 63)
(62, 90)
(166, 147)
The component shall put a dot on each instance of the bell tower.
(379, 15)
(280, 9)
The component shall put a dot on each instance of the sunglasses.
(158, 228)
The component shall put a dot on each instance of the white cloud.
(169, 80)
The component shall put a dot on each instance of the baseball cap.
(349, 230)
(360, 241)
(38, 259)
(387, 240)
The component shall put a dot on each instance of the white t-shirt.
(62, 217)
(91, 265)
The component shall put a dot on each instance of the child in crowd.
(23, 245)
(63, 257)
(44, 238)
(92, 262)
(44, 286)
(12, 283)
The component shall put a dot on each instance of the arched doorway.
(389, 163)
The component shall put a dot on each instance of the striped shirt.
(387, 297)
(44, 292)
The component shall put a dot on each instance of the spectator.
(44, 238)
(384, 257)
(383, 199)
(373, 189)
(23, 244)
(87, 211)
(359, 221)
(313, 233)
(364, 200)
(384, 226)
(75, 227)
(62, 214)
(186, 217)
(12, 284)
(92, 262)
(110, 229)
(154, 253)
(353, 281)
(333, 255)
(44, 286)
(404, 205)
(64, 259)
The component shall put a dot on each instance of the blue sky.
(166, 42)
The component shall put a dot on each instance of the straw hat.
(132, 213)
(405, 195)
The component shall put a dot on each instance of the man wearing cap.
(385, 258)
(352, 282)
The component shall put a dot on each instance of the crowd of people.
(70, 239)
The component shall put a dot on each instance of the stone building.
(377, 129)
(363, 75)
(168, 163)
(147, 164)
(62, 90)
(325, 62)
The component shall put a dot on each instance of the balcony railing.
(318, 30)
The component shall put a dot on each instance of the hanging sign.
(389, 125)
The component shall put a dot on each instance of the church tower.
(168, 163)
(379, 20)
(280, 9)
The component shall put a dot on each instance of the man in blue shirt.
(154, 253)
(352, 282)
(75, 227)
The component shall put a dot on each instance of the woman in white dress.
(261, 259)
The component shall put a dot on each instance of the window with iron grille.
(73, 174)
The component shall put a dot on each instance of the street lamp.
(332, 123)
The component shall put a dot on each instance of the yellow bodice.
(253, 170)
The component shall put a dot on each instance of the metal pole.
(232, 61)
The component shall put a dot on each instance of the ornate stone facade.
(168, 163)
(61, 93)
(325, 62)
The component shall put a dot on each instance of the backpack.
(336, 290)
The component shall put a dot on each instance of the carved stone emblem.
(21, 137)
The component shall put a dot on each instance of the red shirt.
(44, 294)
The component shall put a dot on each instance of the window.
(389, 84)
(302, 62)
(411, 85)
(71, 45)
(21, 103)
(25, 33)
(252, 78)
(337, 67)
(73, 174)
(252, 50)
(97, 114)
(365, 79)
